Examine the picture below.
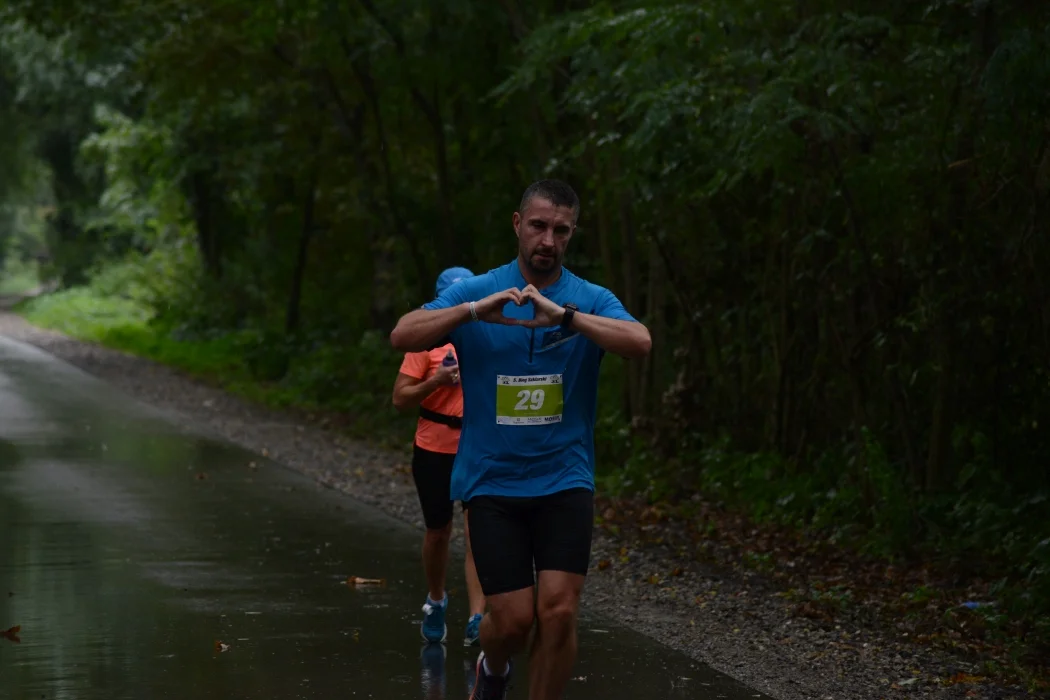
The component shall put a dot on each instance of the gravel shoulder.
(731, 619)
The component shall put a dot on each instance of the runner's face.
(543, 232)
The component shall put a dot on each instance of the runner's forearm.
(412, 395)
(628, 339)
(421, 329)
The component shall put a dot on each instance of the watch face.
(570, 309)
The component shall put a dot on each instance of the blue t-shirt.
(529, 394)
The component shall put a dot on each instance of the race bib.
(535, 400)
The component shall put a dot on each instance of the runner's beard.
(543, 265)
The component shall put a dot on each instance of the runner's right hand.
(490, 308)
(446, 375)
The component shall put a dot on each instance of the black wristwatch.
(570, 311)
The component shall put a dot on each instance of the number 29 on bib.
(530, 400)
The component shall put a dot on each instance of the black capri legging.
(432, 472)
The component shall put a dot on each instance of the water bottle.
(450, 359)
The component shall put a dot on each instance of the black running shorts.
(513, 537)
(432, 472)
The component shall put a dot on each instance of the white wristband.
(473, 312)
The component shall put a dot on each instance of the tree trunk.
(629, 259)
(381, 306)
(656, 319)
(204, 213)
(937, 467)
(393, 203)
(291, 323)
(940, 471)
(604, 242)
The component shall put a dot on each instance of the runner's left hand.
(547, 312)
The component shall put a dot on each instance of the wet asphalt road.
(130, 551)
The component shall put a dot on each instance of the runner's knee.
(440, 535)
(514, 625)
(556, 611)
(512, 619)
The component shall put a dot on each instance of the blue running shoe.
(472, 637)
(433, 627)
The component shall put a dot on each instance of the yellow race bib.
(529, 400)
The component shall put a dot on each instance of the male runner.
(427, 382)
(530, 335)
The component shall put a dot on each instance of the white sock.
(488, 671)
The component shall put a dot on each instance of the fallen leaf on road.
(603, 565)
(201, 476)
(11, 634)
(964, 678)
(358, 581)
(221, 647)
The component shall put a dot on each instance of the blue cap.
(449, 277)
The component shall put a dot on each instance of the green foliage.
(18, 277)
(83, 313)
(52, 92)
(140, 204)
(987, 525)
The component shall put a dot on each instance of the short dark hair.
(558, 193)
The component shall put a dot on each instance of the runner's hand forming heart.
(490, 309)
(547, 312)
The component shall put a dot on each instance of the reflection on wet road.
(143, 563)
